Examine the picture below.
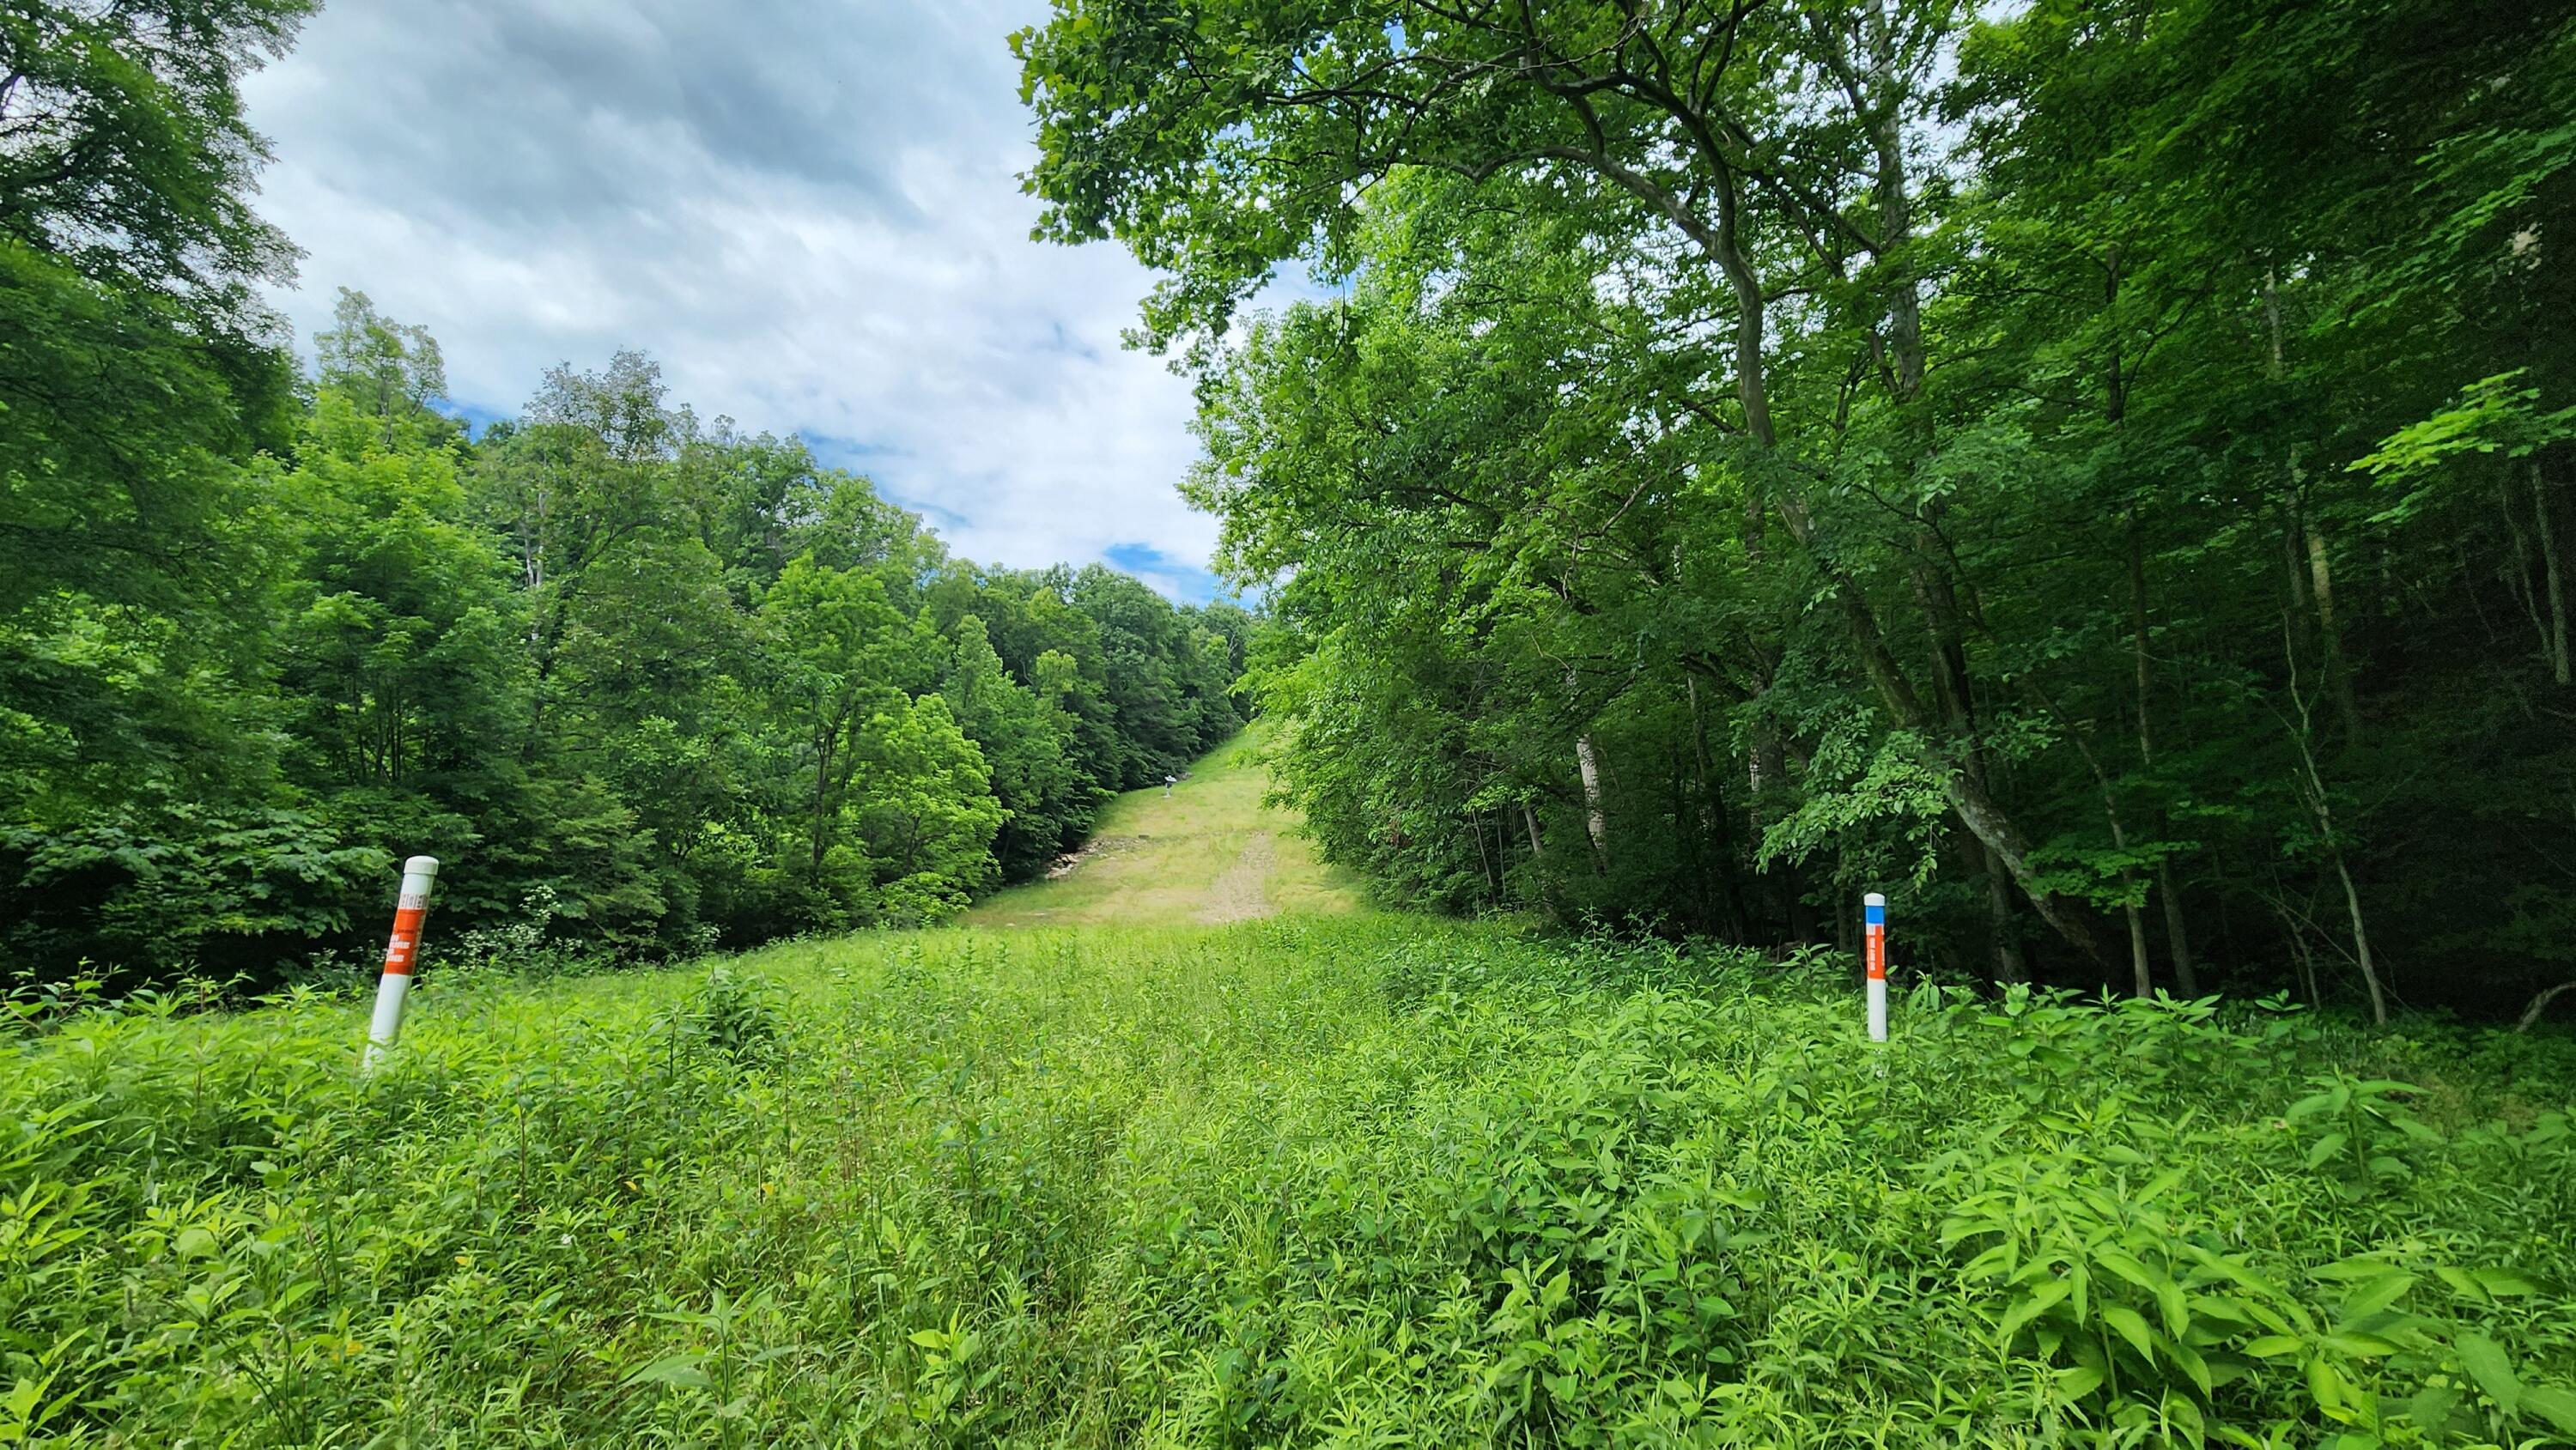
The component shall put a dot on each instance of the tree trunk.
(2318, 589)
(1712, 810)
(1587, 765)
(2361, 945)
(2549, 568)
(2313, 787)
(1976, 810)
(2540, 1004)
(2521, 573)
(1987, 822)
(822, 794)
(2177, 935)
(2301, 957)
(1958, 709)
(2141, 983)
(2001, 921)
(1485, 861)
(1595, 824)
(2338, 674)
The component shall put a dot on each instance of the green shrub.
(1289, 1182)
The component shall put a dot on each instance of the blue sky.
(810, 215)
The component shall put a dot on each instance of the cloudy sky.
(808, 212)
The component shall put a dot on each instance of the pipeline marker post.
(402, 953)
(1874, 948)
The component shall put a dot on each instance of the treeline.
(2099, 473)
(643, 682)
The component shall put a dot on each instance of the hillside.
(1208, 853)
(1325, 1176)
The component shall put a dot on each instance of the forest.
(648, 683)
(2097, 470)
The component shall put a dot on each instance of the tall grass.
(1360, 1180)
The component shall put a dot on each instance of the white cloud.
(810, 215)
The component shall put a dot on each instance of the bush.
(1362, 1180)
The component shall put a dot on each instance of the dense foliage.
(2097, 470)
(642, 681)
(1367, 1181)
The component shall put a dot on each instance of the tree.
(1739, 130)
(388, 371)
(842, 658)
(1786, 452)
(1025, 741)
(139, 359)
(925, 813)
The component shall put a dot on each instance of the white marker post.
(1874, 949)
(401, 954)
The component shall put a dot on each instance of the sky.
(809, 213)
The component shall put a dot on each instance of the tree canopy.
(2098, 473)
(643, 680)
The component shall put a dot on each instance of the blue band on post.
(1875, 915)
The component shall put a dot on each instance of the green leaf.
(2309, 1107)
(674, 1369)
(2360, 1266)
(2078, 1382)
(2485, 1361)
(2325, 1385)
(2432, 1406)
(2030, 1307)
(2461, 1284)
(2325, 1148)
(2133, 1328)
(2553, 1404)
(2376, 1295)
(2127, 1267)
(2186, 1417)
(2504, 1283)
(2170, 1299)
(2192, 1363)
(2163, 1181)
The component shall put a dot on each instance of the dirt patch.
(1072, 861)
(1242, 893)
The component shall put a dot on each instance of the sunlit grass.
(1181, 859)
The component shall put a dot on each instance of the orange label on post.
(1876, 936)
(398, 952)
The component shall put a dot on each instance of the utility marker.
(401, 954)
(1874, 951)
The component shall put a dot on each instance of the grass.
(1348, 1178)
(1210, 852)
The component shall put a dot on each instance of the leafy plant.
(1368, 1177)
(2359, 1130)
(735, 1014)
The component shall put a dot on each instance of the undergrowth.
(1366, 1181)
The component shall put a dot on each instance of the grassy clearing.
(1363, 1180)
(1209, 853)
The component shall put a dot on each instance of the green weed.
(1353, 1180)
